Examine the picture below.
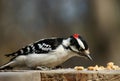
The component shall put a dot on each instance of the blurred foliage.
(98, 21)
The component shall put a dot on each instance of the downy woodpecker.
(49, 52)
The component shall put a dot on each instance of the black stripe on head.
(73, 42)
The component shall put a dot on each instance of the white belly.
(40, 60)
(49, 60)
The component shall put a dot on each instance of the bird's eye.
(72, 42)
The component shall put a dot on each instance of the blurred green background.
(98, 21)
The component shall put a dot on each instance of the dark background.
(98, 21)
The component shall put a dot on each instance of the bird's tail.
(8, 55)
(7, 65)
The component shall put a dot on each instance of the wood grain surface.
(60, 75)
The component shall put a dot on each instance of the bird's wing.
(39, 47)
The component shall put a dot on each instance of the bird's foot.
(43, 68)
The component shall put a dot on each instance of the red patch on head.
(75, 35)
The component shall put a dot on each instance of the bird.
(48, 52)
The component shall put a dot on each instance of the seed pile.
(110, 66)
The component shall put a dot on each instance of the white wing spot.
(21, 51)
(28, 48)
(33, 48)
(44, 47)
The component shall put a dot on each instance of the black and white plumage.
(48, 52)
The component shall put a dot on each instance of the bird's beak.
(89, 57)
(87, 54)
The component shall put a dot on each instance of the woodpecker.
(50, 52)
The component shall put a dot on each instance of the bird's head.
(79, 46)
